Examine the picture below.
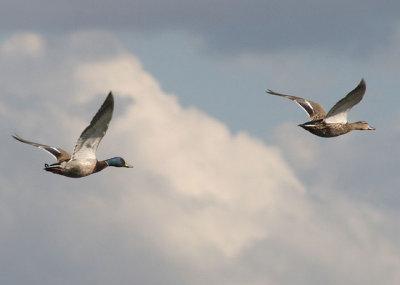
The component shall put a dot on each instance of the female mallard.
(83, 161)
(335, 122)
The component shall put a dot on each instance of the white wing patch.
(306, 106)
(88, 148)
(90, 138)
(52, 150)
(338, 113)
(340, 118)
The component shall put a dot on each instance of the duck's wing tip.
(312, 109)
(58, 153)
(91, 136)
(338, 113)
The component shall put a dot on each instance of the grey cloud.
(367, 172)
(226, 26)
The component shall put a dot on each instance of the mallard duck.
(334, 123)
(83, 160)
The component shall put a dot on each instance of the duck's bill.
(128, 165)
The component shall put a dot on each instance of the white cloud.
(201, 202)
(301, 151)
(198, 159)
(23, 44)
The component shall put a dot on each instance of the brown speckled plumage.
(334, 123)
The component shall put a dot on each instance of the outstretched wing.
(338, 113)
(58, 153)
(313, 110)
(90, 138)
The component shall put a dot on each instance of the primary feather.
(90, 138)
(58, 153)
(338, 113)
(313, 109)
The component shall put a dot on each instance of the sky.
(226, 189)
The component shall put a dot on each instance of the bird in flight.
(334, 123)
(83, 160)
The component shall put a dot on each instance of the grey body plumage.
(83, 160)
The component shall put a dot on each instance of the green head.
(117, 162)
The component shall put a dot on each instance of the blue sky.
(226, 188)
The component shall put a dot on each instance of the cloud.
(24, 44)
(197, 157)
(202, 205)
(228, 26)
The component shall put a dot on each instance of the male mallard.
(83, 161)
(335, 122)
